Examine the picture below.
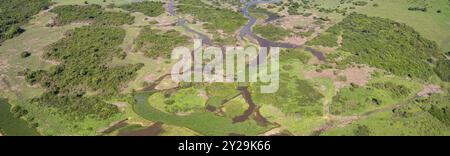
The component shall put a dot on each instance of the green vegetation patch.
(204, 122)
(11, 124)
(271, 32)
(219, 93)
(294, 96)
(15, 13)
(442, 69)
(427, 116)
(149, 8)
(217, 19)
(155, 43)
(235, 107)
(326, 39)
(295, 54)
(90, 13)
(83, 58)
(184, 100)
(357, 99)
(386, 44)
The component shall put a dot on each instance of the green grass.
(204, 122)
(235, 107)
(431, 25)
(34, 40)
(356, 100)
(181, 101)
(295, 95)
(10, 125)
(297, 125)
(220, 92)
(414, 118)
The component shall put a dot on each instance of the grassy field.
(10, 125)
(410, 119)
(432, 25)
(203, 122)
(34, 40)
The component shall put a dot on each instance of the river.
(247, 30)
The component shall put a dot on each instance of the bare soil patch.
(357, 75)
(430, 89)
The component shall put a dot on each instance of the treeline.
(90, 13)
(384, 44)
(148, 8)
(83, 57)
(156, 43)
(15, 13)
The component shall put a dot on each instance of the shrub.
(156, 43)
(25, 54)
(90, 13)
(442, 69)
(15, 13)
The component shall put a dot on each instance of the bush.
(423, 9)
(360, 3)
(25, 54)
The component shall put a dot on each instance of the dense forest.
(384, 44)
(15, 13)
(83, 55)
